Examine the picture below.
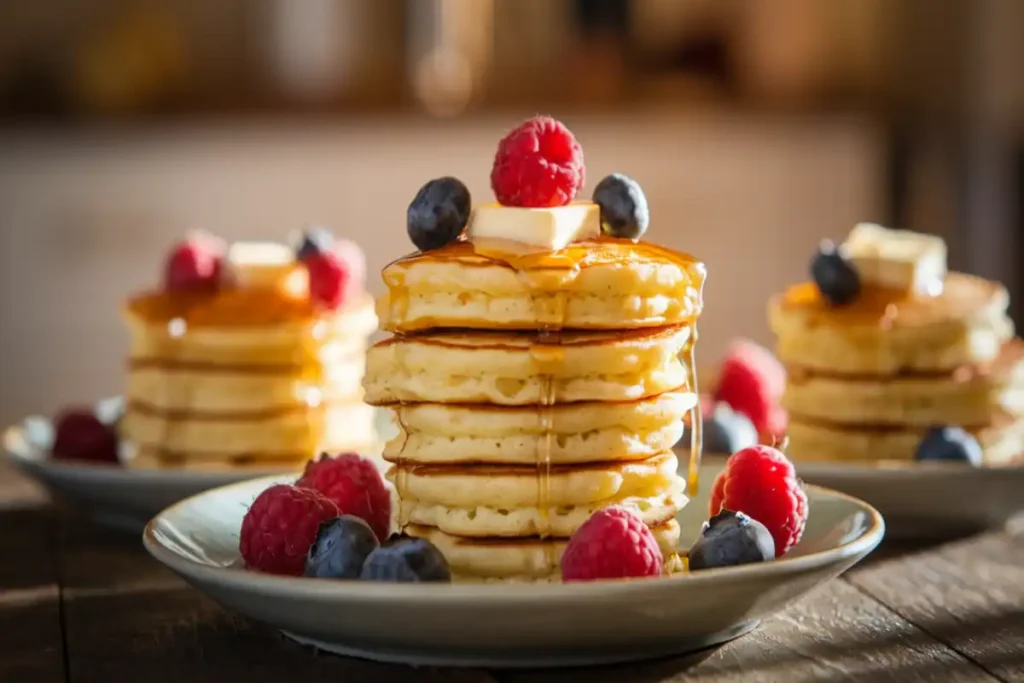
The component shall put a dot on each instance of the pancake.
(273, 436)
(606, 283)
(244, 377)
(878, 335)
(527, 368)
(968, 396)
(530, 521)
(505, 487)
(528, 558)
(432, 433)
(1002, 441)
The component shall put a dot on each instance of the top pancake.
(605, 283)
(879, 335)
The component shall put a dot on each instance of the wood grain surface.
(84, 605)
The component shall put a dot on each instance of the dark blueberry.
(623, 207)
(950, 444)
(438, 213)
(725, 431)
(837, 279)
(314, 241)
(341, 547)
(730, 538)
(413, 559)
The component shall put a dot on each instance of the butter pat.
(549, 228)
(266, 265)
(897, 259)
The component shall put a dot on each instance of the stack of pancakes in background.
(866, 380)
(530, 390)
(244, 376)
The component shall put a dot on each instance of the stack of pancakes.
(244, 377)
(532, 390)
(868, 379)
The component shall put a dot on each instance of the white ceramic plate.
(933, 500)
(517, 625)
(114, 496)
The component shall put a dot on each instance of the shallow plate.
(118, 497)
(933, 500)
(517, 625)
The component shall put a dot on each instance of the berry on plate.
(730, 538)
(623, 207)
(761, 482)
(342, 545)
(406, 559)
(951, 444)
(725, 431)
(280, 527)
(836, 277)
(751, 380)
(438, 213)
(613, 544)
(80, 435)
(355, 486)
(539, 164)
(313, 242)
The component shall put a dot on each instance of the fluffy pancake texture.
(867, 380)
(599, 284)
(530, 389)
(877, 335)
(515, 369)
(577, 433)
(244, 377)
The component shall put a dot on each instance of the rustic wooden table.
(81, 604)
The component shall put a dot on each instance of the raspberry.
(751, 381)
(80, 435)
(538, 164)
(280, 527)
(354, 484)
(329, 279)
(614, 543)
(194, 264)
(761, 482)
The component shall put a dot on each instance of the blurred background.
(756, 127)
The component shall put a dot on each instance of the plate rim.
(307, 588)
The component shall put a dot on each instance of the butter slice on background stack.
(897, 259)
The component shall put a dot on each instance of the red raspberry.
(761, 482)
(356, 487)
(751, 381)
(281, 525)
(538, 164)
(194, 264)
(81, 436)
(328, 279)
(613, 544)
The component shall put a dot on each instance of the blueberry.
(314, 241)
(623, 207)
(407, 559)
(438, 213)
(837, 279)
(725, 431)
(342, 545)
(730, 538)
(950, 444)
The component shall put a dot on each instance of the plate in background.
(509, 625)
(119, 497)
